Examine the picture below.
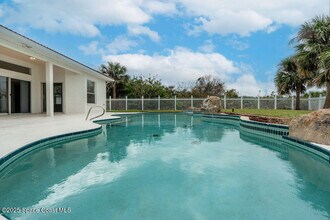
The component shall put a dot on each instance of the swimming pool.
(168, 166)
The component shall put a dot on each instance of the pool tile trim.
(274, 131)
(324, 152)
(7, 159)
(45, 142)
(107, 120)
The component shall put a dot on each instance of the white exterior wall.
(17, 49)
(74, 86)
(74, 93)
(35, 78)
(100, 92)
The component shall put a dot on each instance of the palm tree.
(116, 72)
(324, 76)
(313, 51)
(289, 79)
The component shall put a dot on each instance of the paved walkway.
(18, 130)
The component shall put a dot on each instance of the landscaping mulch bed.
(265, 119)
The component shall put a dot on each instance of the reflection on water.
(312, 173)
(313, 177)
(138, 166)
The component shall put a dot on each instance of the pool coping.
(61, 138)
(274, 131)
(2, 216)
(25, 149)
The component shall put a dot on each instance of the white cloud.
(193, 30)
(161, 7)
(207, 47)
(179, 65)
(76, 17)
(272, 28)
(120, 44)
(247, 85)
(183, 65)
(90, 49)
(243, 18)
(141, 30)
(216, 17)
(238, 45)
(226, 22)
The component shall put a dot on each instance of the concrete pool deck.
(21, 129)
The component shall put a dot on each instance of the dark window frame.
(91, 97)
(14, 67)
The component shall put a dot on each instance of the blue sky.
(240, 42)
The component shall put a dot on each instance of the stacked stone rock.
(314, 127)
(212, 105)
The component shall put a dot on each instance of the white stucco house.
(37, 79)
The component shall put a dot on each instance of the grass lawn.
(269, 112)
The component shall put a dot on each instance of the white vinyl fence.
(226, 103)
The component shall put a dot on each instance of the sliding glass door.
(20, 96)
(3, 94)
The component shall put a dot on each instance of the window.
(3, 94)
(90, 92)
(14, 67)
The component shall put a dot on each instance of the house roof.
(30, 47)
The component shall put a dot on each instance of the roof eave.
(25, 45)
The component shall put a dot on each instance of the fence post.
(258, 101)
(175, 102)
(309, 102)
(292, 103)
(275, 102)
(142, 103)
(192, 102)
(320, 105)
(126, 103)
(109, 103)
(158, 103)
(241, 102)
(224, 102)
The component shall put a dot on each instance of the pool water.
(168, 166)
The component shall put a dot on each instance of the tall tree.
(313, 51)
(148, 87)
(289, 78)
(324, 75)
(232, 93)
(208, 85)
(117, 72)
